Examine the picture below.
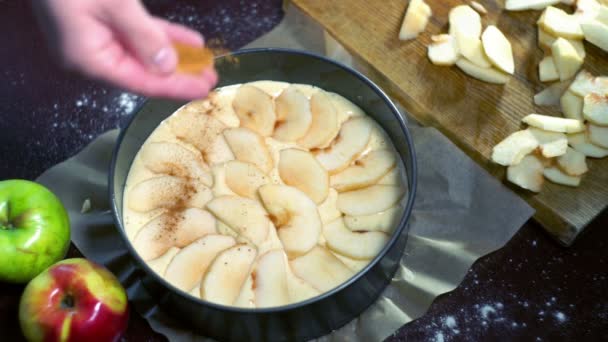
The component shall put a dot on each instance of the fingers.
(180, 33)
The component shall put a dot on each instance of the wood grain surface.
(473, 114)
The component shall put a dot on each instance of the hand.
(117, 41)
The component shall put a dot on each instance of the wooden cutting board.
(473, 114)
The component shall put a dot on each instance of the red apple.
(74, 300)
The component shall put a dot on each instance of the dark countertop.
(531, 290)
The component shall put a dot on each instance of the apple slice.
(551, 144)
(245, 178)
(365, 171)
(321, 269)
(228, 272)
(167, 192)
(370, 200)
(249, 147)
(602, 16)
(465, 21)
(479, 8)
(243, 215)
(354, 136)
(498, 49)
(547, 70)
(172, 229)
(572, 105)
(598, 135)
(255, 109)
(192, 125)
(393, 177)
(573, 163)
(325, 126)
(489, 75)
(159, 265)
(514, 148)
(301, 170)
(189, 265)
(173, 159)
(560, 24)
(271, 280)
(567, 60)
(524, 5)
(596, 33)
(415, 20)
(294, 115)
(385, 221)
(581, 143)
(294, 215)
(585, 83)
(444, 50)
(356, 245)
(596, 109)
(528, 174)
(545, 40)
(554, 124)
(472, 49)
(556, 176)
(328, 210)
(218, 152)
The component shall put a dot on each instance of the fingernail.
(165, 60)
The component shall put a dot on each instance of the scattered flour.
(560, 317)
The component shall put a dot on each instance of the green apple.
(34, 230)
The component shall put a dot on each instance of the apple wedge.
(328, 210)
(560, 24)
(356, 245)
(244, 179)
(595, 109)
(585, 83)
(301, 170)
(365, 171)
(354, 136)
(444, 50)
(195, 127)
(572, 106)
(551, 144)
(596, 33)
(321, 269)
(370, 200)
(598, 135)
(465, 21)
(514, 148)
(385, 221)
(243, 215)
(415, 20)
(173, 159)
(188, 266)
(175, 229)
(556, 176)
(168, 192)
(294, 215)
(218, 152)
(547, 70)
(325, 126)
(227, 273)
(489, 75)
(528, 174)
(255, 109)
(271, 280)
(581, 143)
(479, 8)
(554, 124)
(294, 115)
(498, 49)
(471, 48)
(573, 163)
(567, 60)
(249, 147)
(524, 5)
(159, 265)
(393, 177)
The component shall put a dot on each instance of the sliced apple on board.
(595, 109)
(321, 269)
(598, 135)
(551, 144)
(514, 148)
(596, 33)
(294, 215)
(498, 49)
(560, 24)
(302, 170)
(567, 60)
(415, 20)
(243, 215)
(354, 136)
(479, 8)
(173, 159)
(385, 221)
(524, 5)
(602, 15)
(556, 176)
(187, 268)
(325, 126)
(554, 124)
(365, 171)
(167, 192)
(547, 70)
(573, 163)
(444, 50)
(356, 245)
(581, 143)
(293, 113)
(227, 273)
(489, 75)
(528, 174)
(244, 179)
(572, 105)
(255, 109)
(464, 20)
(370, 200)
(249, 147)
(271, 280)
(585, 83)
(471, 48)
(546, 40)
(177, 229)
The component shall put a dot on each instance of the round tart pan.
(319, 315)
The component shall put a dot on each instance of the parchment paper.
(461, 213)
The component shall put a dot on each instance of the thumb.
(142, 36)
